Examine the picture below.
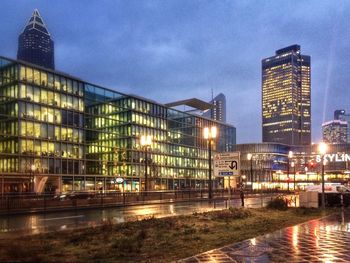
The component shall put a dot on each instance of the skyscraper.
(218, 113)
(335, 132)
(339, 113)
(343, 116)
(35, 44)
(286, 97)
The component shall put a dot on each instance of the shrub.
(232, 213)
(277, 203)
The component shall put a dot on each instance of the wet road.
(38, 223)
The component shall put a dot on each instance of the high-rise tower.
(35, 44)
(343, 116)
(217, 113)
(286, 97)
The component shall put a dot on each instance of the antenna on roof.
(212, 94)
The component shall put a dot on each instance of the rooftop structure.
(35, 44)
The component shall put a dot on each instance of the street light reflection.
(171, 208)
(146, 211)
(317, 244)
(253, 241)
(295, 236)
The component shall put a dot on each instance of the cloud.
(168, 50)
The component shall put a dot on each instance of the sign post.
(227, 164)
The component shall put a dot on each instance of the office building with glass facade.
(286, 97)
(60, 133)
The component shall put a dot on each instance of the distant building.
(286, 97)
(35, 44)
(217, 113)
(335, 131)
(338, 114)
(343, 116)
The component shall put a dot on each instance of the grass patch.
(153, 240)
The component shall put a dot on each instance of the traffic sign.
(227, 164)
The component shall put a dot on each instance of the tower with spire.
(35, 44)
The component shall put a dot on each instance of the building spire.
(36, 22)
(35, 44)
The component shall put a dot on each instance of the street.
(38, 223)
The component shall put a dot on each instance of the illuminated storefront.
(267, 167)
(59, 133)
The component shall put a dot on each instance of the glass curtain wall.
(75, 136)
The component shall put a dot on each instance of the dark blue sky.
(169, 50)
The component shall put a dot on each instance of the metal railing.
(32, 202)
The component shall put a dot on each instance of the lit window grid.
(30, 139)
(280, 97)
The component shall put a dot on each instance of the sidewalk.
(322, 240)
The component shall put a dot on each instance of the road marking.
(59, 218)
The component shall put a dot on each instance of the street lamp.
(32, 170)
(243, 177)
(290, 155)
(307, 176)
(250, 158)
(210, 135)
(322, 148)
(293, 166)
(146, 141)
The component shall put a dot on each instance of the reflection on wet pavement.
(323, 240)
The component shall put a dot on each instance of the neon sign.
(334, 157)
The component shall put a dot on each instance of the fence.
(14, 202)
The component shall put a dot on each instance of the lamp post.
(322, 148)
(32, 170)
(210, 135)
(307, 177)
(243, 177)
(250, 158)
(293, 166)
(146, 141)
(290, 155)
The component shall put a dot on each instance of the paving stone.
(326, 239)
